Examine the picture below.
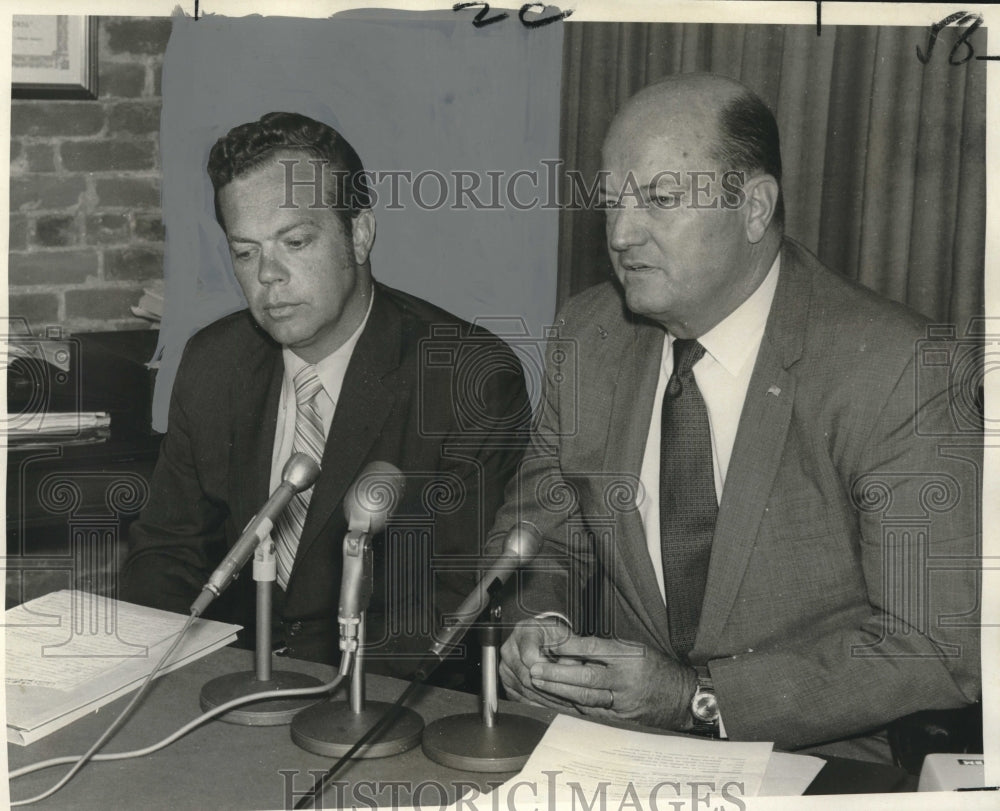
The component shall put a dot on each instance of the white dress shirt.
(331, 371)
(723, 375)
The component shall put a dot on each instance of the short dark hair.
(247, 146)
(748, 142)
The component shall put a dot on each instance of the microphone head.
(373, 497)
(300, 471)
(523, 541)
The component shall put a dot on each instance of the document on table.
(65, 639)
(789, 775)
(70, 652)
(579, 763)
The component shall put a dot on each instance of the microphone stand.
(485, 741)
(270, 712)
(332, 728)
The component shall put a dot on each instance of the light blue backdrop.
(417, 92)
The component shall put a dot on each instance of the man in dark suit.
(326, 361)
(753, 475)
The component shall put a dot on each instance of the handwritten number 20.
(482, 20)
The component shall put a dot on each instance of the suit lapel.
(625, 444)
(255, 407)
(757, 452)
(370, 389)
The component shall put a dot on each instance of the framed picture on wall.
(54, 57)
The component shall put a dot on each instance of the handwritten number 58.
(958, 18)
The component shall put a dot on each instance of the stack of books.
(150, 306)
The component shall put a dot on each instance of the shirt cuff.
(557, 615)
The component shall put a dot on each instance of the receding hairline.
(688, 102)
(687, 83)
(690, 97)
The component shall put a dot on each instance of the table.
(223, 765)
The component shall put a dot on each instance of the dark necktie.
(688, 506)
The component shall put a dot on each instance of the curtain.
(883, 157)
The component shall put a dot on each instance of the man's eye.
(608, 205)
(666, 200)
(296, 243)
(241, 254)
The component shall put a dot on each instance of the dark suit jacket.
(842, 589)
(443, 401)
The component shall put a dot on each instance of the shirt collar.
(331, 369)
(734, 340)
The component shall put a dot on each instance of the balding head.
(691, 183)
(695, 97)
(730, 123)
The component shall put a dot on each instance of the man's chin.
(640, 302)
(284, 333)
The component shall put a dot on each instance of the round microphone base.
(266, 713)
(332, 728)
(464, 742)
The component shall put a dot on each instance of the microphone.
(368, 503)
(300, 473)
(484, 741)
(521, 545)
(372, 498)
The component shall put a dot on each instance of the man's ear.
(363, 234)
(761, 202)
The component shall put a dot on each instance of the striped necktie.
(310, 439)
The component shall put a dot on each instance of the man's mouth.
(282, 309)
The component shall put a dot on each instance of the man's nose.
(625, 228)
(271, 269)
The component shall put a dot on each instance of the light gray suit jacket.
(843, 586)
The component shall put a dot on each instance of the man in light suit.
(300, 252)
(793, 557)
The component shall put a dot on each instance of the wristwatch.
(705, 708)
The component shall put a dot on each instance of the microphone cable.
(80, 761)
(117, 723)
(424, 671)
(523, 541)
(329, 687)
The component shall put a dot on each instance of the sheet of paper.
(70, 652)
(34, 712)
(64, 639)
(789, 775)
(582, 762)
(53, 422)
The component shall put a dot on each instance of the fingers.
(523, 690)
(575, 674)
(601, 678)
(583, 685)
(523, 649)
(583, 698)
(599, 675)
(595, 648)
(516, 680)
(517, 655)
(539, 699)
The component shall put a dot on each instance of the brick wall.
(85, 225)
